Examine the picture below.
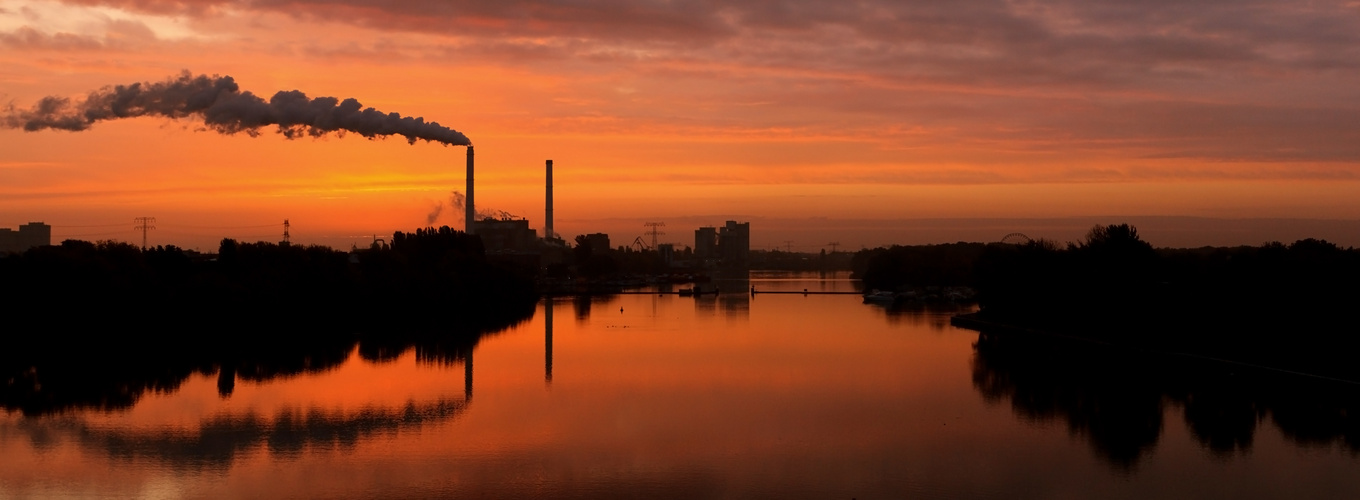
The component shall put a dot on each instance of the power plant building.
(31, 235)
(506, 235)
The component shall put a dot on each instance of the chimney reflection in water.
(547, 342)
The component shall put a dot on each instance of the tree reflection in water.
(112, 374)
(220, 439)
(55, 385)
(1116, 400)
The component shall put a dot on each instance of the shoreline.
(971, 321)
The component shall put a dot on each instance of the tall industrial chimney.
(548, 226)
(471, 216)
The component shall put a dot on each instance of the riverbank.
(1343, 375)
(105, 322)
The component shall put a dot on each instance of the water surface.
(662, 396)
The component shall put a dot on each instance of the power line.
(217, 235)
(144, 224)
(94, 234)
(164, 225)
(653, 231)
(96, 225)
(220, 227)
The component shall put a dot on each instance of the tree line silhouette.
(1284, 306)
(948, 264)
(97, 324)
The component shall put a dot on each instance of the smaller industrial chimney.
(548, 225)
(470, 217)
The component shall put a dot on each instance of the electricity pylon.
(144, 224)
(653, 231)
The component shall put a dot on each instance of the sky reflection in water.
(660, 396)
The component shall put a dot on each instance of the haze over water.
(661, 396)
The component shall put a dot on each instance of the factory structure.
(33, 234)
(511, 239)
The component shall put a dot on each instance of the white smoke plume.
(224, 108)
(458, 200)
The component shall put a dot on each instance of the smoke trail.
(226, 109)
(457, 199)
(434, 214)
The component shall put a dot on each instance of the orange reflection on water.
(649, 395)
(646, 386)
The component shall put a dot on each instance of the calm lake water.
(734, 396)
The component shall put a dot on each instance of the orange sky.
(773, 112)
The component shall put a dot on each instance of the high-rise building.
(728, 246)
(33, 234)
(597, 242)
(734, 244)
(706, 243)
(667, 251)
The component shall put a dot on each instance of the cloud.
(196, 8)
(976, 42)
(1218, 80)
(26, 38)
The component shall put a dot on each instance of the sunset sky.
(817, 121)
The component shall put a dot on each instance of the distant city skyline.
(873, 116)
(810, 235)
(26, 236)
